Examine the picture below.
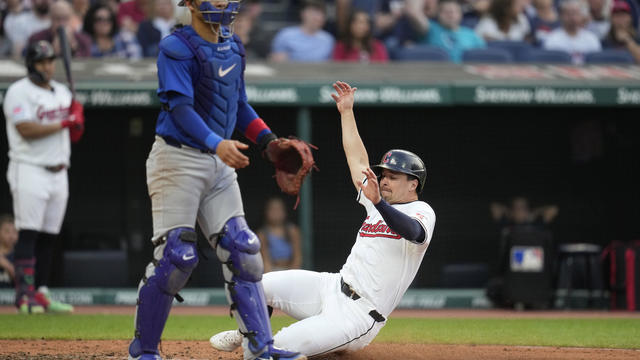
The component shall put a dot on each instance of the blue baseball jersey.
(208, 77)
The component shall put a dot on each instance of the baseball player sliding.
(191, 177)
(41, 119)
(346, 310)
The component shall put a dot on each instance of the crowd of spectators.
(333, 30)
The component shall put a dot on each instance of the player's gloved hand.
(75, 121)
(229, 152)
(293, 161)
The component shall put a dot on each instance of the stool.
(569, 260)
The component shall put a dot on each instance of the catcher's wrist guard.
(265, 140)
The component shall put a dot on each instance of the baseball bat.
(65, 52)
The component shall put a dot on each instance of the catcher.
(346, 310)
(191, 177)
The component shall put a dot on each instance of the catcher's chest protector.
(217, 83)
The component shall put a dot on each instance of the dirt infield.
(94, 350)
(82, 349)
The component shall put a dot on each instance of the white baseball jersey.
(380, 268)
(25, 101)
(382, 264)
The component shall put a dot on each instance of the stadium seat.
(489, 55)
(421, 53)
(609, 57)
(547, 56)
(517, 49)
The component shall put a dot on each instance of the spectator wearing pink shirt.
(358, 45)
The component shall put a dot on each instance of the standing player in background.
(346, 310)
(41, 116)
(191, 177)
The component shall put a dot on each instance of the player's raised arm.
(354, 149)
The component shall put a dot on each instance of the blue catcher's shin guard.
(239, 251)
(155, 296)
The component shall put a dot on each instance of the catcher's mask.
(36, 52)
(405, 162)
(217, 16)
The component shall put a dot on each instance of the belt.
(175, 143)
(55, 168)
(347, 290)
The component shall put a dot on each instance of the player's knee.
(179, 258)
(238, 236)
(181, 248)
(239, 251)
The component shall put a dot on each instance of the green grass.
(607, 333)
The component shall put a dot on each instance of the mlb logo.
(527, 259)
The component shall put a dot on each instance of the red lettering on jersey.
(53, 114)
(379, 229)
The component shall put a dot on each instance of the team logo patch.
(379, 229)
(17, 110)
(386, 158)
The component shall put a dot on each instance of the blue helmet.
(214, 15)
(405, 162)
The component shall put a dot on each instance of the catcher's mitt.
(293, 161)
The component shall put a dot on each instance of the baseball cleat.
(226, 340)
(146, 357)
(275, 353)
(28, 305)
(50, 305)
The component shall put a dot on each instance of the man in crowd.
(306, 42)
(572, 37)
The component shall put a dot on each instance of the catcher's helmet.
(405, 162)
(38, 51)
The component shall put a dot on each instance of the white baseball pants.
(39, 197)
(329, 320)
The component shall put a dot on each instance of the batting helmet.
(38, 51)
(405, 162)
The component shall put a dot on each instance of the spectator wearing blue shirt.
(449, 35)
(306, 42)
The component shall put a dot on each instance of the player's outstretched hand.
(371, 189)
(229, 153)
(344, 98)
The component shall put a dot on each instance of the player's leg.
(54, 213)
(222, 219)
(299, 293)
(26, 183)
(174, 188)
(343, 324)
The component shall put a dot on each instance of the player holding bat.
(41, 119)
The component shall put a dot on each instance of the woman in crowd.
(358, 45)
(622, 35)
(280, 239)
(506, 21)
(106, 41)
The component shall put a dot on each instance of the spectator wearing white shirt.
(572, 37)
(505, 21)
(19, 25)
